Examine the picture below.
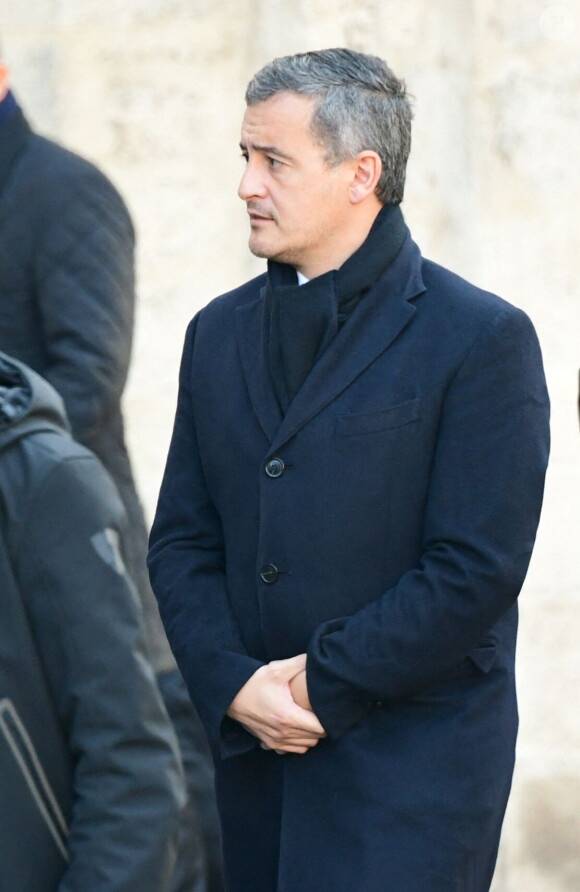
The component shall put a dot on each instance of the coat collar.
(305, 319)
(13, 135)
(369, 330)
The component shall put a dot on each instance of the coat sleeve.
(187, 568)
(84, 281)
(127, 780)
(480, 522)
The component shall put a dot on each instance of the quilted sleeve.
(84, 278)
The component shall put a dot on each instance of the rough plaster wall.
(152, 90)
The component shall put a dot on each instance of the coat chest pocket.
(386, 419)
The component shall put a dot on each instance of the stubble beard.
(280, 255)
(262, 253)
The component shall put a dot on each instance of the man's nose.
(252, 184)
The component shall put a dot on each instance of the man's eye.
(274, 162)
(244, 155)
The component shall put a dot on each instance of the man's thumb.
(287, 669)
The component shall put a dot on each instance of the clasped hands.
(273, 705)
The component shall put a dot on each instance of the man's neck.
(349, 242)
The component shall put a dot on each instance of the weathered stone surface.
(540, 845)
(551, 829)
(40, 13)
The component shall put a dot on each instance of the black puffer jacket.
(66, 307)
(90, 781)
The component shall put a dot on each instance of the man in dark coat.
(66, 309)
(90, 778)
(348, 511)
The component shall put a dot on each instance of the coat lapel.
(372, 327)
(252, 335)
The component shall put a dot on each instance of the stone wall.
(152, 91)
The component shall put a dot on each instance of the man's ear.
(4, 85)
(367, 168)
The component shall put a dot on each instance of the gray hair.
(361, 105)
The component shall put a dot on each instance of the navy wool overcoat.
(384, 526)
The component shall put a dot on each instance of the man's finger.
(290, 667)
(281, 749)
(304, 720)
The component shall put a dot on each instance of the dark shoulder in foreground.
(31, 459)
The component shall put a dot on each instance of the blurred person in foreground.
(66, 309)
(90, 778)
(348, 511)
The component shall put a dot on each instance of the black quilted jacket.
(66, 278)
(66, 306)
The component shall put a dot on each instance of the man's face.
(298, 205)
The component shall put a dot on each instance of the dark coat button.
(275, 467)
(269, 574)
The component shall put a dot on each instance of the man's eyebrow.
(267, 150)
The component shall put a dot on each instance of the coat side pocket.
(484, 656)
(479, 660)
